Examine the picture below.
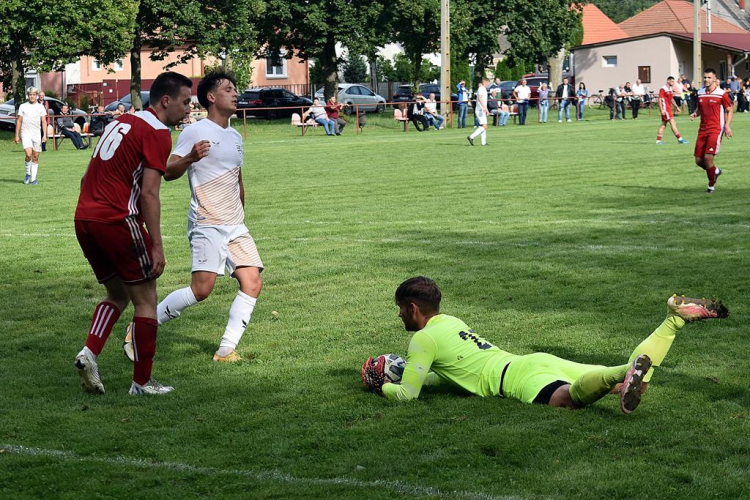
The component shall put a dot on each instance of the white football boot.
(88, 371)
(149, 388)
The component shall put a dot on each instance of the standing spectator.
(734, 88)
(637, 91)
(481, 112)
(30, 134)
(620, 100)
(332, 109)
(99, 121)
(543, 102)
(415, 113)
(666, 100)
(45, 121)
(463, 103)
(581, 95)
(318, 113)
(610, 101)
(564, 94)
(746, 91)
(431, 113)
(741, 98)
(66, 127)
(521, 94)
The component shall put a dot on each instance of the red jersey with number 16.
(111, 191)
(711, 106)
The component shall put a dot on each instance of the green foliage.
(242, 67)
(513, 69)
(620, 10)
(460, 69)
(386, 71)
(355, 69)
(415, 25)
(317, 75)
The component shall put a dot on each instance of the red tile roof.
(597, 27)
(675, 16)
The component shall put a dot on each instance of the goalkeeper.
(445, 349)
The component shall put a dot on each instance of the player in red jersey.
(715, 110)
(666, 99)
(119, 194)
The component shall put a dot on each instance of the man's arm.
(422, 352)
(178, 165)
(19, 120)
(729, 114)
(152, 216)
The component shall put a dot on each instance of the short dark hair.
(670, 78)
(709, 70)
(210, 83)
(422, 291)
(168, 83)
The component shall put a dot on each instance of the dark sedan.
(253, 102)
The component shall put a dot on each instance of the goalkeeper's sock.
(176, 302)
(657, 345)
(597, 383)
(106, 315)
(239, 316)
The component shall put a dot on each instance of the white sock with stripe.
(28, 168)
(239, 316)
(34, 169)
(176, 302)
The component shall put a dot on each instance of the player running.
(119, 193)
(716, 112)
(31, 132)
(666, 100)
(444, 349)
(216, 218)
(481, 112)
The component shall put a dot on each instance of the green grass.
(562, 238)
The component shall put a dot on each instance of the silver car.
(8, 112)
(351, 94)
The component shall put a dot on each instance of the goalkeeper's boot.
(630, 391)
(88, 371)
(152, 387)
(691, 309)
(127, 345)
(232, 357)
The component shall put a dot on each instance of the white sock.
(176, 302)
(484, 137)
(476, 132)
(34, 169)
(87, 352)
(239, 316)
(28, 168)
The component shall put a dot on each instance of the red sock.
(711, 173)
(144, 345)
(678, 136)
(106, 315)
(658, 137)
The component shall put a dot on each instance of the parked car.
(128, 102)
(350, 94)
(249, 102)
(8, 112)
(405, 93)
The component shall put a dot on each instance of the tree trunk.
(373, 73)
(135, 71)
(19, 83)
(555, 68)
(329, 65)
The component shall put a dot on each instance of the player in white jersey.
(31, 133)
(212, 154)
(481, 112)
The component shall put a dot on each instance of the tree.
(415, 25)
(386, 71)
(355, 69)
(47, 35)
(620, 10)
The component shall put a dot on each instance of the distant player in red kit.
(119, 194)
(666, 99)
(715, 110)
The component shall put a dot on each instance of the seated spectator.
(99, 121)
(65, 127)
(497, 110)
(415, 113)
(318, 113)
(431, 113)
(120, 110)
(332, 109)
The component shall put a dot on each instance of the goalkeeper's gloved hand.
(373, 374)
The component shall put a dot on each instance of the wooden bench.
(58, 137)
(513, 110)
(297, 122)
(400, 116)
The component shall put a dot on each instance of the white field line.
(258, 476)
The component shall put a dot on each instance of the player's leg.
(201, 285)
(676, 132)
(662, 127)
(484, 132)
(37, 147)
(712, 172)
(27, 150)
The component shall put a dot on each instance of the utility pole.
(445, 54)
(708, 16)
(697, 57)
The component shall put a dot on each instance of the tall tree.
(47, 35)
(355, 69)
(415, 25)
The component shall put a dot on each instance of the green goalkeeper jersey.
(447, 349)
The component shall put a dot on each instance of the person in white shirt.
(638, 91)
(481, 113)
(521, 94)
(211, 152)
(431, 112)
(31, 133)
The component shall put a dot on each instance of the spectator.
(741, 99)
(610, 101)
(543, 102)
(463, 103)
(333, 108)
(620, 101)
(734, 88)
(45, 120)
(65, 126)
(581, 95)
(415, 113)
(431, 113)
(521, 94)
(637, 93)
(496, 84)
(564, 94)
(120, 111)
(99, 121)
(746, 91)
(318, 113)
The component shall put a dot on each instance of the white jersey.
(214, 180)
(481, 98)
(32, 114)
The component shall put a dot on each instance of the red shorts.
(121, 249)
(708, 143)
(666, 117)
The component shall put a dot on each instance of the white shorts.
(214, 248)
(33, 142)
(482, 119)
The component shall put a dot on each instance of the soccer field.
(565, 238)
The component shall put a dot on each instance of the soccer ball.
(394, 367)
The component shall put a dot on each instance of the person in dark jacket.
(415, 113)
(565, 95)
(99, 121)
(65, 126)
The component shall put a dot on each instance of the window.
(609, 61)
(96, 65)
(119, 66)
(366, 91)
(644, 74)
(276, 65)
(353, 90)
